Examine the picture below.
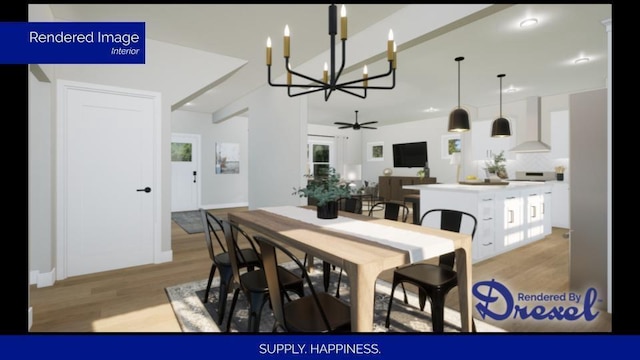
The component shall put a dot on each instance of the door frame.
(60, 214)
(196, 140)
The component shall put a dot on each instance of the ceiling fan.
(356, 125)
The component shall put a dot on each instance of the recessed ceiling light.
(581, 60)
(528, 22)
(511, 89)
(431, 110)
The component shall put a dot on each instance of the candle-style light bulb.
(343, 23)
(325, 73)
(390, 46)
(289, 74)
(395, 55)
(365, 76)
(287, 41)
(269, 50)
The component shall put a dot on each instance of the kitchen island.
(509, 215)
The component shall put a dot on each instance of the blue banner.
(347, 346)
(72, 43)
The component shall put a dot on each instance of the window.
(320, 154)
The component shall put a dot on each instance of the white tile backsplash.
(538, 162)
(527, 162)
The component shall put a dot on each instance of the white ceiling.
(538, 61)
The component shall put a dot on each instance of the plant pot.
(560, 176)
(328, 210)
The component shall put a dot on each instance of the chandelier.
(329, 82)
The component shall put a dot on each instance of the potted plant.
(497, 166)
(325, 190)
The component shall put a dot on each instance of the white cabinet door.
(547, 208)
(534, 217)
(559, 134)
(560, 212)
(510, 221)
(485, 233)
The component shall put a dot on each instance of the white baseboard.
(42, 279)
(30, 317)
(33, 277)
(164, 256)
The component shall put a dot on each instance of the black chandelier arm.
(364, 96)
(344, 54)
(303, 92)
(390, 72)
(321, 86)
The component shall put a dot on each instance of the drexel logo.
(493, 295)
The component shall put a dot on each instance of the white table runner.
(419, 245)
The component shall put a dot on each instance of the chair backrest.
(270, 261)
(232, 234)
(352, 205)
(211, 225)
(451, 220)
(393, 210)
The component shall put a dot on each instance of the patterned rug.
(190, 221)
(195, 316)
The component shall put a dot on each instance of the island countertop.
(514, 185)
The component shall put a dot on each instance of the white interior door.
(107, 183)
(185, 171)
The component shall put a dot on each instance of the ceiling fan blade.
(367, 127)
(342, 123)
(345, 127)
(368, 123)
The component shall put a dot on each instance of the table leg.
(362, 293)
(326, 274)
(463, 267)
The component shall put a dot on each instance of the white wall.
(41, 148)
(277, 142)
(217, 190)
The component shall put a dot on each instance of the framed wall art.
(227, 158)
(375, 151)
(450, 144)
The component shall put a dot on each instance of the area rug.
(196, 316)
(190, 221)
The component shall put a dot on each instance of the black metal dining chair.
(253, 284)
(434, 281)
(220, 259)
(393, 210)
(317, 312)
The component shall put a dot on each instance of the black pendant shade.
(500, 126)
(459, 118)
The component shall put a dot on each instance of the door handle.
(147, 189)
(194, 176)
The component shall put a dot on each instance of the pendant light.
(459, 117)
(500, 127)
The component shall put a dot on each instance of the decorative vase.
(328, 211)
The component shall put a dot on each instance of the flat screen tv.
(410, 155)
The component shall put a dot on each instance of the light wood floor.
(134, 300)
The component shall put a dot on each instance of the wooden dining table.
(362, 258)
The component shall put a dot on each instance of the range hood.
(534, 125)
